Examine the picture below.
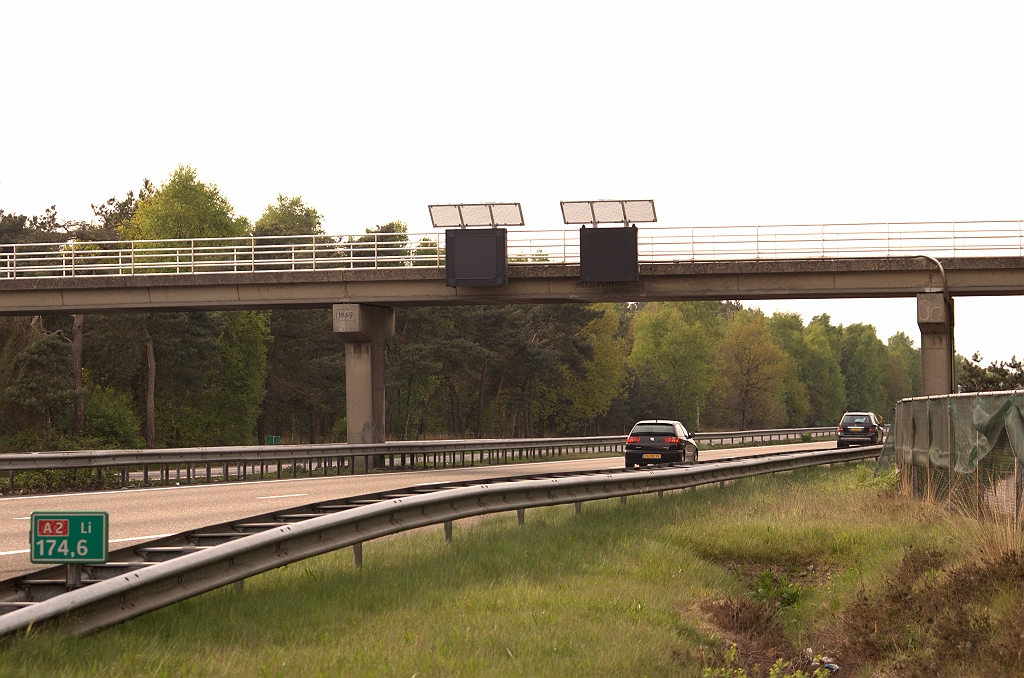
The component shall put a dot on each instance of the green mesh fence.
(966, 449)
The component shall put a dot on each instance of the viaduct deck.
(528, 283)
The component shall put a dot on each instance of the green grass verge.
(615, 591)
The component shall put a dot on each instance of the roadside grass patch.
(659, 587)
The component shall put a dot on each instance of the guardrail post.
(521, 514)
(622, 500)
(579, 507)
(145, 475)
(74, 576)
(357, 554)
(448, 532)
(10, 482)
(209, 473)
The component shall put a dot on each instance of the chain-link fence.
(964, 449)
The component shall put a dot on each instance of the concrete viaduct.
(363, 299)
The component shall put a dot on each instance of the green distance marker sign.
(69, 537)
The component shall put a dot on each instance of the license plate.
(857, 429)
(652, 456)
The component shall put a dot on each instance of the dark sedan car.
(659, 441)
(864, 428)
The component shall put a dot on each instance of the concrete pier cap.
(365, 329)
(363, 323)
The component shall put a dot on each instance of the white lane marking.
(282, 496)
(112, 541)
(25, 518)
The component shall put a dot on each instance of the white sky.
(723, 112)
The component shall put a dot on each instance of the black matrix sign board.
(476, 257)
(609, 255)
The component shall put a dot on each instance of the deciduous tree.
(680, 352)
(184, 207)
(754, 372)
(865, 363)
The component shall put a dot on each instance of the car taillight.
(672, 440)
(633, 439)
(871, 429)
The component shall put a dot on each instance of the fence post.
(979, 488)
(1016, 493)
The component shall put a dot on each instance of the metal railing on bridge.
(657, 244)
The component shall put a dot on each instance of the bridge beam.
(935, 318)
(365, 329)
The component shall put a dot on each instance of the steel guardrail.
(334, 458)
(342, 457)
(247, 547)
(249, 254)
(760, 435)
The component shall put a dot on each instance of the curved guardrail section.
(147, 577)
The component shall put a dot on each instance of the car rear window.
(852, 420)
(654, 429)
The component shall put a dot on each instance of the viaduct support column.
(365, 329)
(935, 318)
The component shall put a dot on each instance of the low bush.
(110, 419)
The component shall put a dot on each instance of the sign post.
(73, 537)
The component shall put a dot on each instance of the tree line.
(234, 377)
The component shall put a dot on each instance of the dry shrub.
(931, 620)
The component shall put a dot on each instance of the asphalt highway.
(142, 514)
